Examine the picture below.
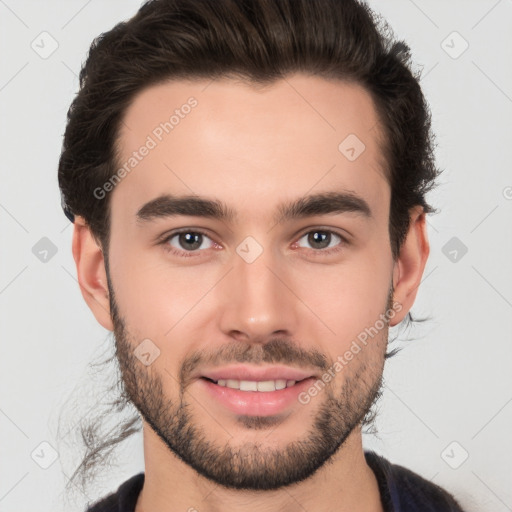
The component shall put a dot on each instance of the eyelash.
(188, 254)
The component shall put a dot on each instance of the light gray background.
(451, 384)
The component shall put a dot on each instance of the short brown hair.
(259, 41)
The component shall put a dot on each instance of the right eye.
(186, 241)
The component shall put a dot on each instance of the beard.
(251, 466)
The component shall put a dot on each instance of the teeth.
(252, 385)
(248, 385)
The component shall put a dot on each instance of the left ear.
(409, 266)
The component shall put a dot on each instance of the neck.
(345, 480)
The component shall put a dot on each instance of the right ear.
(90, 269)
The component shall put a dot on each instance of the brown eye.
(184, 242)
(320, 239)
(190, 241)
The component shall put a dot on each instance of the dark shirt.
(401, 490)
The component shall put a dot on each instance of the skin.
(252, 148)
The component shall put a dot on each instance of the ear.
(90, 268)
(408, 268)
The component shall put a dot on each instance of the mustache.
(276, 351)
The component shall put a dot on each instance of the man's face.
(256, 290)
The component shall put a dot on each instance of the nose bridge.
(255, 300)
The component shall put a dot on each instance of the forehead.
(252, 146)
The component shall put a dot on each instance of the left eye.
(321, 239)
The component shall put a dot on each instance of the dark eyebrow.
(322, 204)
(195, 206)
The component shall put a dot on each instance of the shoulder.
(407, 491)
(122, 500)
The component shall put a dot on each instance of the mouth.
(255, 398)
(262, 386)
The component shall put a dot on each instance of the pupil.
(323, 236)
(193, 240)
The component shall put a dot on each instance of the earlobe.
(409, 267)
(92, 277)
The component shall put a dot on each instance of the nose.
(256, 300)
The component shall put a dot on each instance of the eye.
(187, 241)
(322, 241)
(190, 243)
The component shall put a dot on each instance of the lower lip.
(256, 403)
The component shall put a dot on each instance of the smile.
(252, 385)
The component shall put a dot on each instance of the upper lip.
(256, 373)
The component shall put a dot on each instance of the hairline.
(256, 83)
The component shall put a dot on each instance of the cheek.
(358, 290)
(348, 298)
(155, 297)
